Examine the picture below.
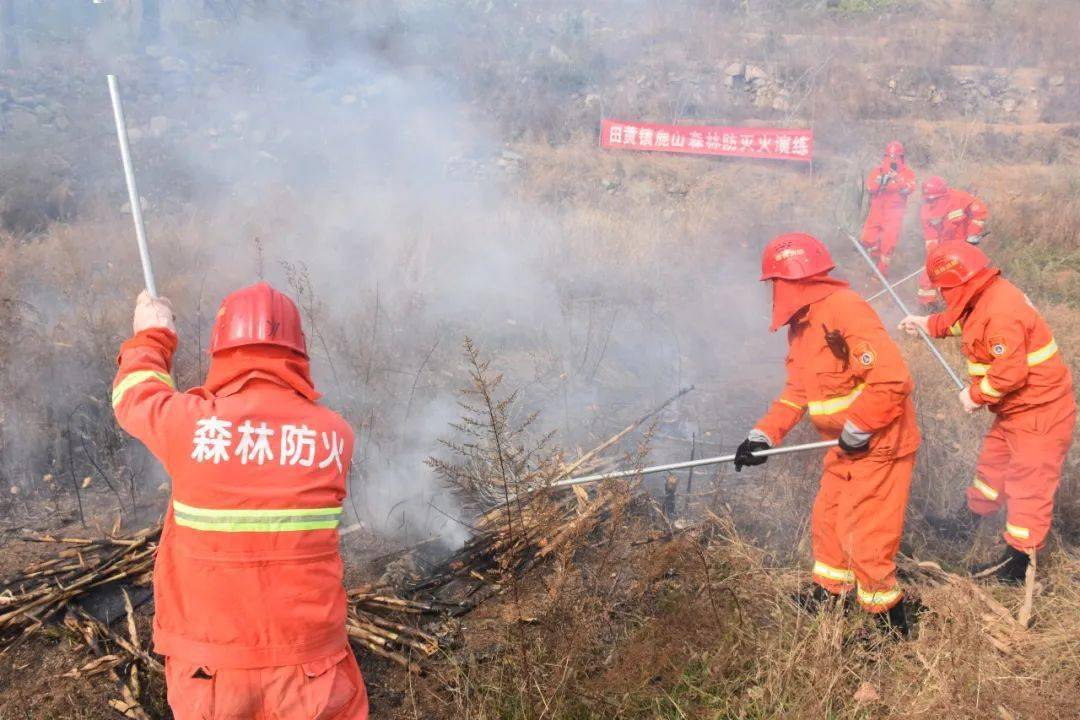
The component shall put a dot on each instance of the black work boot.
(815, 598)
(1010, 568)
(894, 622)
(960, 525)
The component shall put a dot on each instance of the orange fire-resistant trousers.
(328, 689)
(856, 524)
(1020, 467)
(881, 232)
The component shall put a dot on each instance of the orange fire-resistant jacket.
(870, 387)
(1012, 356)
(895, 192)
(248, 571)
(955, 216)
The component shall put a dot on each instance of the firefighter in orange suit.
(1018, 373)
(947, 215)
(250, 607)
(845, 371)
(889, 184)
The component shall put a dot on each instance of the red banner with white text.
(771, 143)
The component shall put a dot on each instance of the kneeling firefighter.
(1018, 373)
(845, 371)
(250, 607)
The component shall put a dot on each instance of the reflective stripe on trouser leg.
(1039, 445)
(985, 495)
(870, 522)
(879, 600)
(831, 569)
(833, 574)
(985, 490)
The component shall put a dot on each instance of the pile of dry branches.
(522, 519)
(43, 590)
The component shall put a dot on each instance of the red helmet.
(794, 256)
(935, 187)
(954, 263)
(895, 149)
(257, 315)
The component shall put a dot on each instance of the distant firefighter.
(847, 374)
(889, 185)
(249, 602)
(947, 215)
(1017, 373)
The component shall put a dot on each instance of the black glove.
(744, 456)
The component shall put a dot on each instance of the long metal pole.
(132, 188)
(960, 384)
(896, 284)
(689, 464)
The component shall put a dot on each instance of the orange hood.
(231, 370)
(958, 299)
(791, 296)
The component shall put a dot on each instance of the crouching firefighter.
(1018, 373)
(843, 370)
(250, 607)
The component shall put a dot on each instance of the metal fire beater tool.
(132, 188)
(585, 479)
(896, 284)
(960, 384)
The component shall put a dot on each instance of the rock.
(43, 113)
(558, 55)
(610, 184)
(1056, 80)
(781, 103)
(592, 100)
(734, 70)
(755, 73)
(1009, 105)
(512, 156)
(892, 84)
(348, 99)
(155, 51)
(136, 134)
(62, 123)
(158, 125)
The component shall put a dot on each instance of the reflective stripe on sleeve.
(1034, 358)
(833, 573)
(955, 214)
(955, 329)
(1020, 533)
(835, 405)
(987, 492)
(1042, 354)
(883, 598)
(132, 379)
(987, 389)
(792, 405)
(256, 520)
